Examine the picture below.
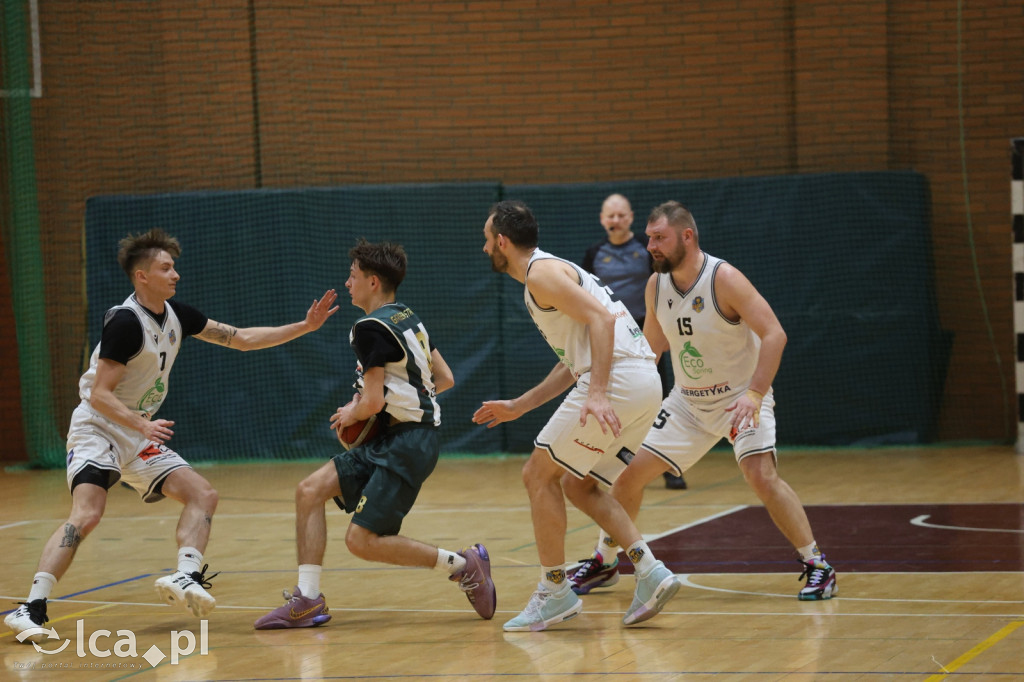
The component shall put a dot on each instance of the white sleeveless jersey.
(570, 339)
(144, 385)
(713, 358)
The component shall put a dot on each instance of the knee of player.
(207, 497)
(576, 489)
(83, 519)
(360, 542)
(83, 522)
(760, 480)
(307, 493)
(536, 475)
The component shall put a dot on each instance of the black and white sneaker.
(31, 614)
(188, 590)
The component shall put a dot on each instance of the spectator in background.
(622, 262)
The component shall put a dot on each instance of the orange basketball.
(356, 434)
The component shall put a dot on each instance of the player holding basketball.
(726, 346)
(615, 399)
(399, 374)
(114, 435)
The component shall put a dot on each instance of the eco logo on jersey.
(560, 352)
(692, 362)
(153, 396)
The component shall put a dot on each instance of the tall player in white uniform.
(114, 434)
(726, 345)
(616, 396)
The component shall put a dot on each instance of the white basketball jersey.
(713, 358)
(144, 385)
(570, 339)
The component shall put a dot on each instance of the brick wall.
(167, 96)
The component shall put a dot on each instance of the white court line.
(16, 523)
(921, 521)
(685, 580)
(657, 536)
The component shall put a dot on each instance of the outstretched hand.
(321, 310)
(494, 412)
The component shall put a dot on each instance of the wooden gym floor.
(929, 545)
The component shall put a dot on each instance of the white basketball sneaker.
(188, 590)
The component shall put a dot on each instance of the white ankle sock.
(309, 580)
(607, 548)
(42, 584)
(640, 554)
(190, 560)
(449, 561)
(808, 552)
(552, 578)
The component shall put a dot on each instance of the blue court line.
(94, 589)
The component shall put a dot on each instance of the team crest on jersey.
(698, 304)
(172, 337)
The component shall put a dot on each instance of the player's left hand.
(746, 410)
(344, 415)
(321, 310)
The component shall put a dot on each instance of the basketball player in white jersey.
(615, 399)
(726, 345)
(114, 434)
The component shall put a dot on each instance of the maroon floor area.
(862, 538)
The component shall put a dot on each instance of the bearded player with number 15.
(400, 374)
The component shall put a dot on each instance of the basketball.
(356, 434)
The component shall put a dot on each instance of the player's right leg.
(168, 475)
(554, 601)
(601, 569)
(88, 500)
(674, 442)
(305, 606)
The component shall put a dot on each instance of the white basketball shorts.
(634, 390)
(126, 454)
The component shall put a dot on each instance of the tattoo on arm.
(221, 334)
(209, 520)
(72, 537)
